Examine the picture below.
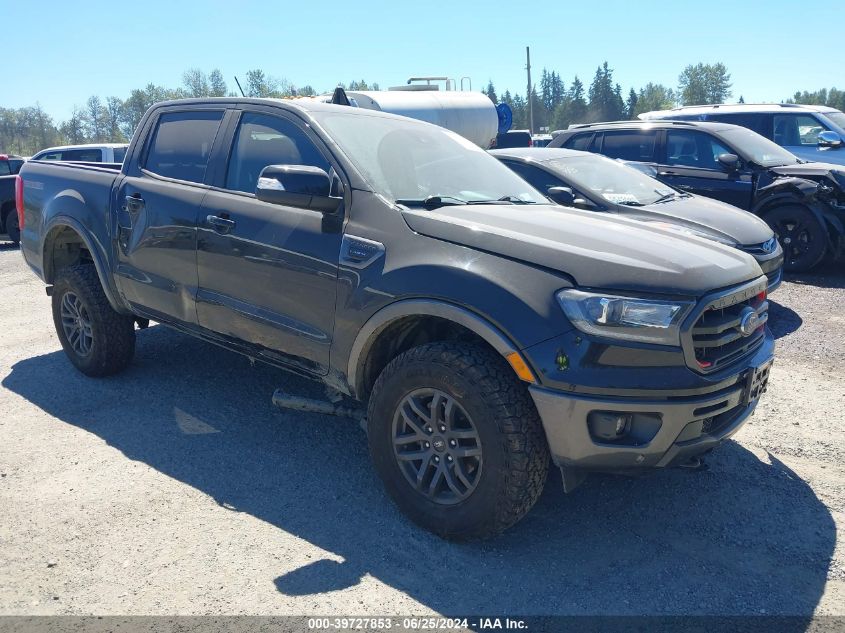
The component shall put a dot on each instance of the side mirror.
(829, 139)
(729, 161)
(562, 195)
(301, 186)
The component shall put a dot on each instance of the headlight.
(627, 318)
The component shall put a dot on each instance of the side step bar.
(324, 407)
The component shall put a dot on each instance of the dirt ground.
(176, 488)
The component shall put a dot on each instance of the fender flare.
(389, 314)
(94, 248)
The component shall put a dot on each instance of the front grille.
(765, 248)
(717, 335)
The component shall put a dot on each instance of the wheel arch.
(67, 242)
(399, 326)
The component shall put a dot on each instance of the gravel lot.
(176, 488)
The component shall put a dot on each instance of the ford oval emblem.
(749, 322)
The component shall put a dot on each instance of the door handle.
(666, 173)
(221, 223)
(134, 203)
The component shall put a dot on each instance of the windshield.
(758, 148)
(836, 117)
(610, 179)
(410, 161)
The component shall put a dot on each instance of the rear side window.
(579, 141)
(263, 140)
(15, 165)
(51, 156)
(5, 168)
(182, 144)
(752, 121)
(629, 145)
(84, 155)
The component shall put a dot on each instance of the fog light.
(609, 426)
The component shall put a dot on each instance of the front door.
(158, 202)
(691, 163)
(267, 272)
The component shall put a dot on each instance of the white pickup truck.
(103, 153)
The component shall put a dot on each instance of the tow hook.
(695, 463)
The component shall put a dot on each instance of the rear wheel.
(457, 440)
(12, 228)
(98, 340)
(801, 234)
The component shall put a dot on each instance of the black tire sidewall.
(105, 324)
(12, 229)
(480, 507)
(818, 234)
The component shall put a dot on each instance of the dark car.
(597, 183)
(513, 138)
(804, 203)
(479, 330)
(10, 165)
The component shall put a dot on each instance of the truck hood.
(707, 217)
(597, 250)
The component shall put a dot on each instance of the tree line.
(555, 104)
(113, 119)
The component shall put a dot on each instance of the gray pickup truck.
(484, 331)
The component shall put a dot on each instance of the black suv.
(803, 202)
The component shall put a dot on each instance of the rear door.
(635, 145)
(159, 202)
(690, 162)
(268, 272)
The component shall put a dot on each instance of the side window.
(579, 142)
(263, 140)
(629, 145)
(83, 155)
(538, 178)
(119, 154)
(752, 121)
(5, 168)
(15, 165)
(51, 156)
(797, 129)
(688, 148)
(182, 143)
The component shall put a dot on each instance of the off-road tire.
(12, 228)
(514, 449)
(805, 244)
(112, 334)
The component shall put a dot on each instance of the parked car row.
(481, 331)
(803, 203)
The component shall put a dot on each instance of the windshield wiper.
(631, 203)
(508, 199)
(431, 202)
(665, 197)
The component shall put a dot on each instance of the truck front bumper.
(655, 432)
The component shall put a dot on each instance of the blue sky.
(60, 53)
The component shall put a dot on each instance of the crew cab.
(484, 331)
(10, 165)
(90, 153)
(803, 202)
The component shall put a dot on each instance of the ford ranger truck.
(488, 333)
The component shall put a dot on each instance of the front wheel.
(456, 439)
(98, 340)
(801, 234)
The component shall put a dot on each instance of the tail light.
(19, 200)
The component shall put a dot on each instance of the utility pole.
(530, 100)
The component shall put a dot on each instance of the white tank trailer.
(470, 114)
